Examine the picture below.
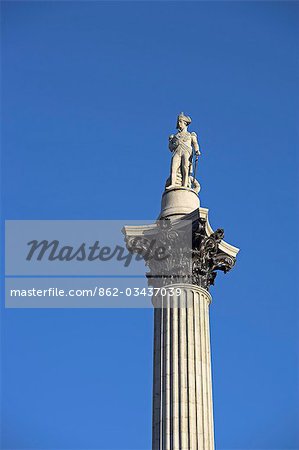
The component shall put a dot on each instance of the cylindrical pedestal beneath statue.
(178, 201)
(182, 391)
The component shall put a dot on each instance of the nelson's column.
(183, 254)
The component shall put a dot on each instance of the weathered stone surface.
(178, 202)
(195, 252)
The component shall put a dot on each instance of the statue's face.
(181, 124)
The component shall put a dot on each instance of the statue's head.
(183, 121)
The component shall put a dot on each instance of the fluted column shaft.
(182, 386)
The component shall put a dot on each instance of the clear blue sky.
(90, 92)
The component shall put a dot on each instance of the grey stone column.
(182, 385)
(182, 388)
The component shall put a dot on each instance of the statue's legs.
(185, 169)
(175, 164)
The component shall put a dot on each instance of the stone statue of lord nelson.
(181, 145)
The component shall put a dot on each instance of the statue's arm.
(195, 143)
(170, 144)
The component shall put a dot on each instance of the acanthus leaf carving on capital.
(177, 254)
(207, 257)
